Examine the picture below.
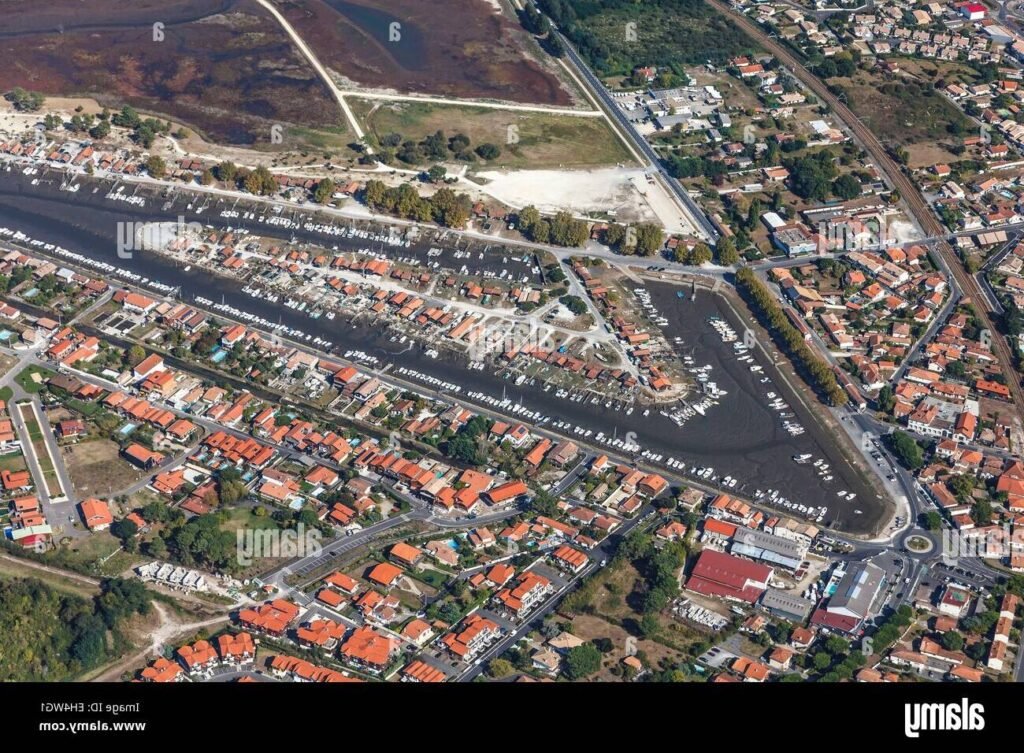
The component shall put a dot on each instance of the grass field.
(539, 139)
(96, 467)
(901, 112)
(90, 550)
(33, 378)
(13, 462)
(615, 37)
(11, 568)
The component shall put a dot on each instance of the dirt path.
(92, 582)
(169, 627)
(321, 71)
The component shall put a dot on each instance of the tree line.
(445, 207)
(46, 635)
(815, 369)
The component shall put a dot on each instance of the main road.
(694, 213)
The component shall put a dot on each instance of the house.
(385, 574)
(954, 601)
(472, 636)
(406, 555)
(96, 514)
(418, 631)
(237, 648)
(163, 670)
(369, 648)
(142, 456)
(70, 429)
(197, 658)
(672, 531)
(419, 671)
(16, 480)
(524, 595)
(300, 670)
(272, 618)
(149, 365)
(570, 559)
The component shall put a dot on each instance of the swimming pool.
(127, 429)
(219, 356)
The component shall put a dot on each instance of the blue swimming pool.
(219, 356)
(127, 429)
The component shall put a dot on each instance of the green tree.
(324, 191)
(488, 151)
(24, 101)
(500, 668)
(952, 640)
(931, 520)
(701, 254)
(906, 449)
(582, 661)
(846, 187)
(649, 239)
(156, 166)
(727, 253)
(136, 354)
(124, 529)
(226, 172)
(260, 182)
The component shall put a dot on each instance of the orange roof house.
(96, 514)
(367, 647)
(385, 574)
(405, 554)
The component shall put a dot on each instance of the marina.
(736, 431)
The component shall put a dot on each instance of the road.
(320, 70)
(482, 103)
(908, 191)
(56, 456)
(694, 213)
(602, 552)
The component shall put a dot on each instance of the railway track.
(918, 207)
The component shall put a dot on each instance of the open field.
(590, 627)
(96, 468)
(33, 378)
(13, 462)
(615, 37)
(457, 48)
(10, 567)
(224, 68)
(6, 364)
(902, 112)
(538, 139)
(90, 550)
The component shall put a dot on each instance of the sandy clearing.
(623, 192)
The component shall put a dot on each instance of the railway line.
(916, 204)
